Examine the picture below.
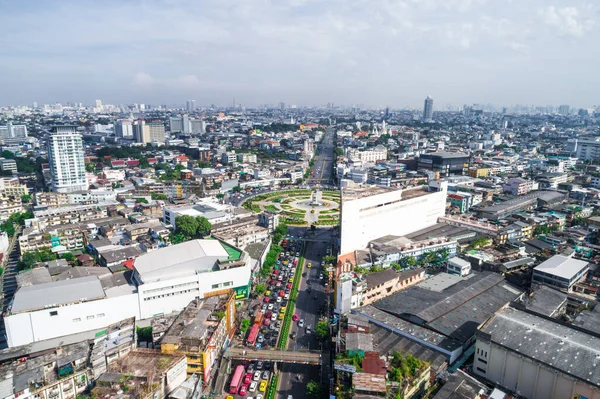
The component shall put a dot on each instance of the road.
(9, 285)
(307, 307)
(323, 169)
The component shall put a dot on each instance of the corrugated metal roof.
(57, 293)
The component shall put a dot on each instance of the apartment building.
(65, 157)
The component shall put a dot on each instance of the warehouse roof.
(561, 266)
(57, 293)
(558, 346)
(545, 301)
(455, 311)
(197, 256)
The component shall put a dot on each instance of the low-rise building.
(560, 271)
(10, 204)
(388, 282)
(458, 266)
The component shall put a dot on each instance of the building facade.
(65, 157)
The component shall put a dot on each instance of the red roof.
(128, 263)
(373, 364)
(152, 161)
(119, 163)
(133, 162)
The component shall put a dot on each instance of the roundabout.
(299, 207)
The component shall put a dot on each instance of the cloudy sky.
(304, 52)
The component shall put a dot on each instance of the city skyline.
(303, 52)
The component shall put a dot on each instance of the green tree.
(30, 258)
(220, 196)
(158, 196)
(186, 225)
(338, 151)
(203, 226)
(396, 374)
(322, 330)
(480, 242)
(244, 326)
(314, 389)
(26, 197)
(69, 257)
(260, 289)
(204, 164)
(176, 238)
(8, 154)
(90, 167)
(141, 200)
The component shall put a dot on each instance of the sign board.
(241, 292)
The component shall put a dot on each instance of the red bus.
(236, 380)
(253, 334)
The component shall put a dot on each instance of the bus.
(253, 334)
(236, 380)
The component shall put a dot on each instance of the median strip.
(285, 328)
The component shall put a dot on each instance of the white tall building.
(65, 156)
(124, 129)
(370, 212)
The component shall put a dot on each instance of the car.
(263, 386)
(293, 336)
(281, 316)
(265, 375)
(297, 253)
(266, 322)
(278, 324)
(251, 367)
(286, 296)
(259, 365)
(268, 293)
(278, 284)
(301, 323)
(278, 299)
(270, 306)
(308, 329)
(243, 390)
(268, 314)
(268, 365)
(260, 339)
(273, 317)
(266, 300)
(289, 286)
(295, 317)
(264, 307)
(290, 280)
(284, 302)
(280, 278)
(247, 378)
(309, 265)
(252, 387)
(259, 396)
(282, 310)
(321, 276)
(281, 293)
(275, 272)
(256, 376)
(229, 397)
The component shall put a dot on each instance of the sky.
(304, 52)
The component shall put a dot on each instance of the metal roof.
(48, 295)
(561, 266)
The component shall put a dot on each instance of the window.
(100, 315)
(481, 360)
(227, 284)
(54, 313)
(214, 286)
(77, 319)
(90, 317)
(481, 370)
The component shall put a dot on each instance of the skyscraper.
(124, 129)
(65, 156)
(148, 132)
(428, 110)
(190, 105)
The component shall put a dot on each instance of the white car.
(256, 376)
(274, 317)
(286, 296)
(301, 323)
(279, 299)
(270, 307)
(252, 387)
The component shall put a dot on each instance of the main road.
(312, 299)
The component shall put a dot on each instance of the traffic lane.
(289, 383)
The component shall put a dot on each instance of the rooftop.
(545, 301)
(562, 266)
(197, 256)
(57, 293)
(558, 346)
(446, 154)
(456, 310)
(359, 341)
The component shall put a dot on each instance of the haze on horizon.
(304, 52)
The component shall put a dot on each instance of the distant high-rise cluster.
(428, 110)
(148, 132)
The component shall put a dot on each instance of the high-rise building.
(176, 124)
(124, 129)
(13, 131)
(148, 132)
(187, 126)
(190, 105)
(563, 109)
(428, 110)
(65, 156)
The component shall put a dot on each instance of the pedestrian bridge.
(303, 357)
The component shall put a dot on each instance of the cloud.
(143, 79)
(567, 20)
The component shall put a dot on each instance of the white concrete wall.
(400, 218)
(24, 328)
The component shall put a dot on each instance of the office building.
(11, 131)
(428, 110)
(446, 163)
(65, 157)
(560, 272)
(176, 124)
(124, 129)
(587, 149)
(370, 212)
(564, 109)
(151, 132)
(537, 357)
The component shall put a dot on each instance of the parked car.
(301, 323)
(295, 317)
(253, 386)
(243, 390)
(259, 365)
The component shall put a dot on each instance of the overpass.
(305, 357)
